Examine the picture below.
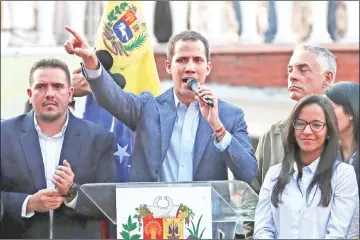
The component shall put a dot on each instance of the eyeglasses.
(316, 125)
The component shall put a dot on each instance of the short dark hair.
(328, 157)
(187, 35)
(50, 63)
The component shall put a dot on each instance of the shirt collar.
(352, 158)
(313, 166)
(61, 133)
(177, 101)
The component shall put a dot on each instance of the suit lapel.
(203, 136)
(32, 151)
(72, 142)
(167, 111)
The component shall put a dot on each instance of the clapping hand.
(63, 178)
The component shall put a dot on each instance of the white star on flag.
(121, 152)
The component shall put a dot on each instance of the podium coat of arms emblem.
(162, 222)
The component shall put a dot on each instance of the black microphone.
(107, 61)
(118, 79)
(105, 58)
(192, 84)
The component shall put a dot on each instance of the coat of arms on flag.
(124, 31)
(164, 213)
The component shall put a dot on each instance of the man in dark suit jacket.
(46, 155)
(214, 138)
(1, 210)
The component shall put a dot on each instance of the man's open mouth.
(185, 80)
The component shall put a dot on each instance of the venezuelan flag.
(123, 33)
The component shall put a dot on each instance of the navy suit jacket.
(153, 118)
(89, 150)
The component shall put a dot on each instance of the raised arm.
(124, 106)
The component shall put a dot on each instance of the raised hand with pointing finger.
(79, 46)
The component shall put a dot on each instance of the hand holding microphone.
(209, 103)
(193, 84)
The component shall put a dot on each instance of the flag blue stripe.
(123, 135)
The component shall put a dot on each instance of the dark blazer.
(153, 118)
(89, 150)
(1, 210)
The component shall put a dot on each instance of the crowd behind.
(305, 168)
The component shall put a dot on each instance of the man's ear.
(168, 66)
(71, 94)
(328, 79)
(208, 68)
(29, 93)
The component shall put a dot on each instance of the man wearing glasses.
(311, 70)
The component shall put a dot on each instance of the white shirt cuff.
(93, 74)
(23, 209)
(71, 204)
(225, 142)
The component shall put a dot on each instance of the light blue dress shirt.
(297, 218)
(178, 163)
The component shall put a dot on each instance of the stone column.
(179, 12)
(206, 18)
(148, 9)
(22, 20)
(45, 20)
(103, 4)
(319, 33)
(197, 17)
(77, 15)
(230, 24)
(249, 33)
(352, 29)
(285, 33)
(214, 20)
(5, 24)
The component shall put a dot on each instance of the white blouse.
(297, 218)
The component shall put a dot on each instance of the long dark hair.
(346, 94)
(324, 171)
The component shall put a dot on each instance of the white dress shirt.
(299, 218)
(50, 150)
(178, 163)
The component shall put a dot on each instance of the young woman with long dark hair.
(311, 194)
